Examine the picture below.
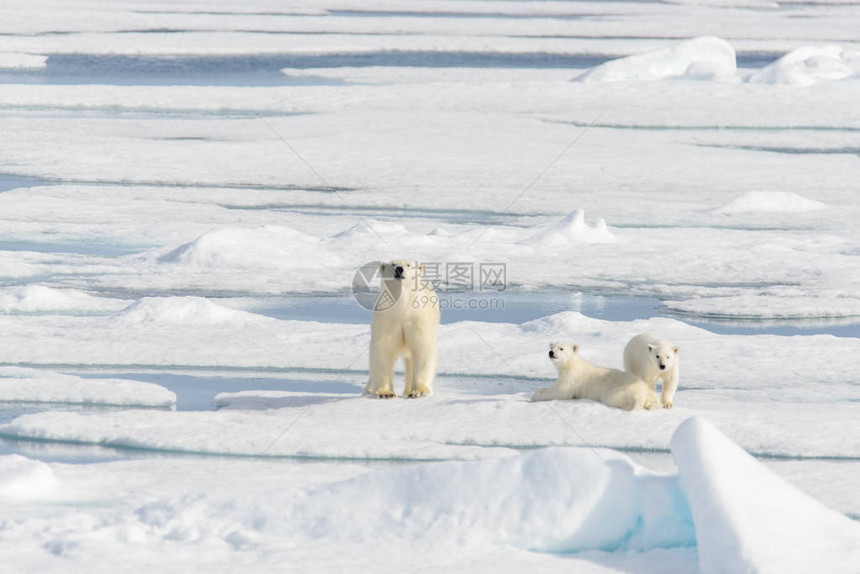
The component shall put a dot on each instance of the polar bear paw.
(651, 403)
(385, 394)
(668, 404)
(415, 394)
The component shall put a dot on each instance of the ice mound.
(37, 386)
(371, 228)
(809, 65)
(19, 61)
(551, 500)
(571, 229)
(705, 58)
(748, 519)
(268, 247)
(771, 202)
(41, 299)
(741, 516)
(21, 477)
(183, 311)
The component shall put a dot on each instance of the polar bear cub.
(580, 379)
(651, 358)
(404, 324)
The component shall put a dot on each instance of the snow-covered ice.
(186, 194)
(748, 519)
(700, 58)
(771, 202)
(809, 65)
(42, 386)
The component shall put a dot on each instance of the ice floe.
(39, 386)
(18, 61)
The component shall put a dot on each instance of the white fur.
(406, 330)
(579, 379)
(644, 355)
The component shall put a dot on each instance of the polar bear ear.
(575, 348)
(677, 350)
(421, 268)
(650, 348)
(382, 266)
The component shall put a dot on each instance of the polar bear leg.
(425, 371)
(421, 342)
(550, 394)
(669, 388)
(651, 402)
(410, 373)
(381, 382)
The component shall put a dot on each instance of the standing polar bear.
(651, 358)
(404, 324)
(579, 379)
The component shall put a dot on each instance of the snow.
(771, 202)
(25, 479)
(571, 229)
(17, 61)
(40, 386)
(44, 299)
(706, 58)
(809, 65)
(187, 191)
(182, 311)
(748, 519)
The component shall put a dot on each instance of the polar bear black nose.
(662, 367)
(552, 354)
(398, 271)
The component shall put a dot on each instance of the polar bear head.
(400, 269)
(560, 353)
(400, 280)
(664, 355)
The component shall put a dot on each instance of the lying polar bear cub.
(579, 379)
(651, 358)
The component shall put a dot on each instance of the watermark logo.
(372, 290)
(375, 291)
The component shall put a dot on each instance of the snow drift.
(748, 519)
(742, 516)
(699, 58)
(571, 229)
(551, 500)
(809, 65)
(266, 247)
(771, 202)
(41, 299)
(22, 478)
(183, 311)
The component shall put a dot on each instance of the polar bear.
(404, 324)
(651, 358)
(580, 379)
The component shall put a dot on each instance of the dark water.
(265, 69)
(517, 308)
